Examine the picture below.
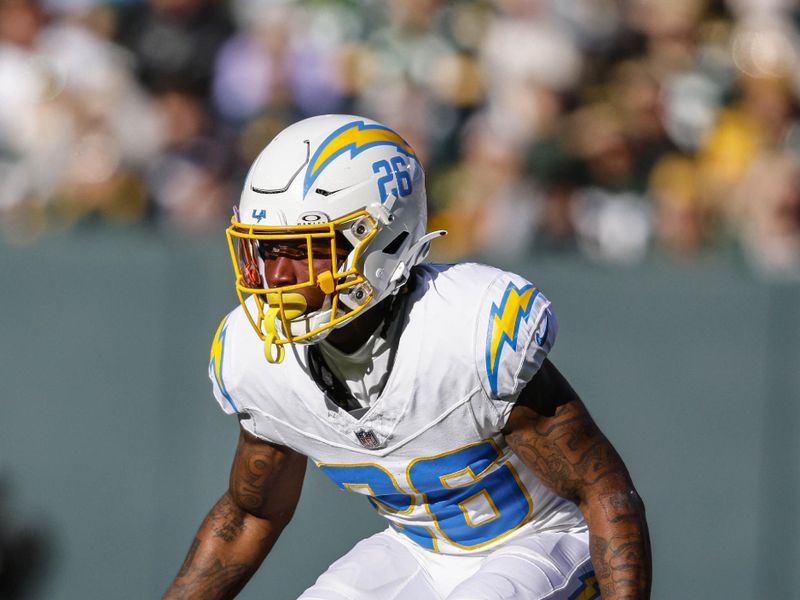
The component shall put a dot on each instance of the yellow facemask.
(280, 314)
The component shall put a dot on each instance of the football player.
(425, 387)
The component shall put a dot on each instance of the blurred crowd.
(612, 128)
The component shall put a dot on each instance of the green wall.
(111, 441)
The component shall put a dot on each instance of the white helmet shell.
(324, 168)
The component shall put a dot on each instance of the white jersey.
(429, 452)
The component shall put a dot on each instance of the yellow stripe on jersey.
(215, 361)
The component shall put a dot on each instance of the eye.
(272, 249)
(343, 247)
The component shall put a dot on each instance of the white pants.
(546, 566)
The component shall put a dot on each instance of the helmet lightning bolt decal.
(215, 364)
(355, 137)
(504, 321)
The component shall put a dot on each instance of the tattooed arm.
(551, 431)
(244, 524)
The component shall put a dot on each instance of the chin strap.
(291, 305)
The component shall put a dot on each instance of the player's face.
(286, 263)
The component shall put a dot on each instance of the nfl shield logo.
(367, 438)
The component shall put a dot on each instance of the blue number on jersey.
(473, 498)
(382, 490)
(379, 482)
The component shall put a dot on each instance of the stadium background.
(636, 159)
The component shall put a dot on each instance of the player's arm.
(243, 525)
(551, 431)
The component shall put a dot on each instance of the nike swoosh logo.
(540, 339)
(322, 192)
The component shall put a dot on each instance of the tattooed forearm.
(569, 454)
(226, 519)
(620, 546)
(208, 571)
(187, 562)
(209, 582)
(243, 525)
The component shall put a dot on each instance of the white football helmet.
(329, 179)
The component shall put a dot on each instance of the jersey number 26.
(471, 496)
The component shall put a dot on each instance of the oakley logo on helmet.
(311, 218)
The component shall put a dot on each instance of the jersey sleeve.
(219, 366)
(516, 329)
(227, 369)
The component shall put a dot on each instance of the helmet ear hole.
(393, 246)
(343, 243)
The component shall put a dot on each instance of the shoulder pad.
(516, 329)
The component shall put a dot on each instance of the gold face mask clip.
(326, 282)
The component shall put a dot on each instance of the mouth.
(292, 303)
